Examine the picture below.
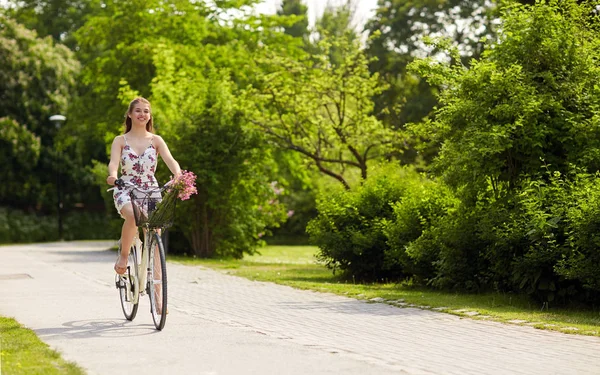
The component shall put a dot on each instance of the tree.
(56, 18)
(336, 23)
(401, 27)
(209, 132)
(19, 152)
(190, 61)
(520, 139)
(532, 100)
(297, 11)
(323, 111)
(37, 78)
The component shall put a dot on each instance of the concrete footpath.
(220, 324)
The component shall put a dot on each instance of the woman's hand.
(111, 180)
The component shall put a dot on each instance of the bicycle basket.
(154, 212)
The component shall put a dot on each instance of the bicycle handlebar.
(120, 184)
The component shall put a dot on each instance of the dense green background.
(452, 143)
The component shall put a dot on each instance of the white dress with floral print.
(136, 169)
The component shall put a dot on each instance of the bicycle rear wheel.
(127, 284)
(157, 282)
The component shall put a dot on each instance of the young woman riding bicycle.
(136, 151)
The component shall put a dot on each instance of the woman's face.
(140, 114)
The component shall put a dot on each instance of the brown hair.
(127, 123)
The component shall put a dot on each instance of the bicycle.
(146, 266)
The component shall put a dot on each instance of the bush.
(419, 210)
(454, 247)
(363, 231)
(21, 227)
(582, 260)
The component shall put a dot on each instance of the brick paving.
(380, 337)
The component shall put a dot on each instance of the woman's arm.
(164, 152)
(115, 156)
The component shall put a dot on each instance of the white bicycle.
(146, 266)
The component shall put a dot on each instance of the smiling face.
(140, 114)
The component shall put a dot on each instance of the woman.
(137, 152)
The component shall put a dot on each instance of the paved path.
(220, 324)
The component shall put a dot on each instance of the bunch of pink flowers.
(184, 185)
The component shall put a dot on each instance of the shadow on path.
(84, 329)
(352, 307)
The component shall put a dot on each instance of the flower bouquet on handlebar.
(152, 210)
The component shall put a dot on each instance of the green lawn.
(296, 266)
(21, 352)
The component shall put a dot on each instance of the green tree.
(336, 22)
(520, 140)
(323, 111)
(37, 78)
(297, 11)
(56, 18)
(189, 60)
(19, 152)
(401, 27)
(208, 125)
(116, 47)
(531, 100)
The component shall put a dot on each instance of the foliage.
(335, 24)
(322, 111)
(561, 254)
(582, 258)
(17, 226)
(55, 18)
(364, 232)
(424, 207)
(401, 28)
(530, 104)
(37, 78)
(297, 11)
(404, 24)
(533, 99)
(19, 152)
(211, 136)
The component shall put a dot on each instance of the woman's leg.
(128, 233)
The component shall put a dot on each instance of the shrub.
(20, 227)
(454, 247)
(420, 209)
(363, 231)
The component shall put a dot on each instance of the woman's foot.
(121, 265)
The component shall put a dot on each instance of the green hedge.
(20, 227)
(364, 232)
(543, 241)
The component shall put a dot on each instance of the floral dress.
(136, 169)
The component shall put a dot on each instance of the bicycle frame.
(143, 254)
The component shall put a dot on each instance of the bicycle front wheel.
(157, 282)
(127, 284)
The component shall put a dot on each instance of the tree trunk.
(201, 236)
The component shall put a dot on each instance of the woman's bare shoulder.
(119, 140)
(159, 140)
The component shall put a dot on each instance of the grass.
(22, 352)
(296, 266)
